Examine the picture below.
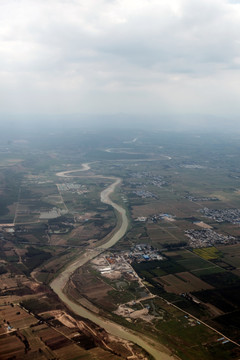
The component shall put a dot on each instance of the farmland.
(182, 282)
(49, 221)
(208, 253)
(30, 337)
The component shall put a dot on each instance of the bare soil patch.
(114, 275)
(127, 312)
(57, 240)
(203, 225)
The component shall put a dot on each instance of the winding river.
(158, 351)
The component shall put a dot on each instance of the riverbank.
(157, 350)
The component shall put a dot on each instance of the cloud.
(110, 56)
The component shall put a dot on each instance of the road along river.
(158, 351)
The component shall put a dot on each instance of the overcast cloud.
(110, 56)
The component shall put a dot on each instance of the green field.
(208, 253)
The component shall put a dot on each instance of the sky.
(120, 56)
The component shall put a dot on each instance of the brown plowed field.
(11, 347)
(182, 282)
(16, 317)
(94, 289)
(53, 339)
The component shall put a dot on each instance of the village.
(221, 215)
(156, 217)
(73, 188)
(200, 198)
(144, 194)
(208, 237)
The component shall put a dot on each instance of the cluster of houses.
(144, 194)
(221, 215)
(73, 188)
(208, 237)
(200, 198)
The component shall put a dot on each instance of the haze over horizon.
(175, 60)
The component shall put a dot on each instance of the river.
(158, 351)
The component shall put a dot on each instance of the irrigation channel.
(158, 351)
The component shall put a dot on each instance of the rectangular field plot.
(72, 351)
(208, 271)
(11, 347)
(155, 269)
(228, 228)
(182, 209)
(180, 254)
(193, 263)
(231, 254)
(53, 339)
(182, 282)
(39, 202)
(99, 353)
(16, 317)
(160, 236)
(208, 253)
